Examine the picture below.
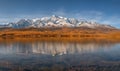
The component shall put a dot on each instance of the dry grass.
(70, 34)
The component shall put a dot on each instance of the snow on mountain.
(56, 21)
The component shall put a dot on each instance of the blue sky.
(102, 11)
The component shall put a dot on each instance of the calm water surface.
(59, 56)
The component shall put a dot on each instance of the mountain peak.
(57, 21)
(54, 16)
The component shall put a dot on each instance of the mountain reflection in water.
(52, 48)
(65, 56)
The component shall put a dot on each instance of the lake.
(59, 56)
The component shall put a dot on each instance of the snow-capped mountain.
(56, 21)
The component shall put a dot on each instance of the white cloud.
(60, 12)
(99, 17)
(112, 20)
(90, 15)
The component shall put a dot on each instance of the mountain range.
(55, 21)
